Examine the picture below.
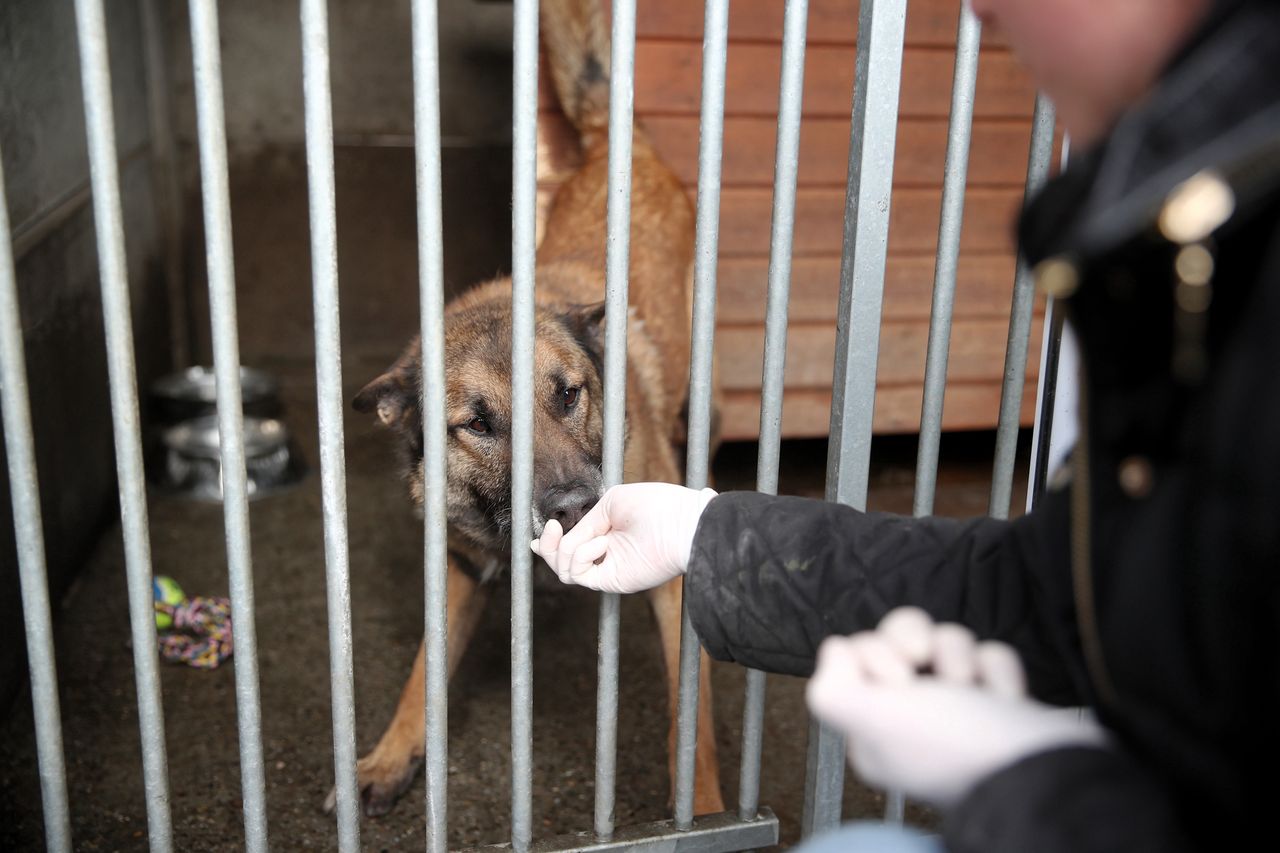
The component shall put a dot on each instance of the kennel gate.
(872, 143)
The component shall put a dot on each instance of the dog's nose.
(568, 504)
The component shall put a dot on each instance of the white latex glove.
(930, 736)
(907, 642)
(637, 537)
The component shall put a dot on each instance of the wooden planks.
(1000, 148)
(913, 216)
(977, 353)
(984, 288)
(667, 93)
(806, 412)
(669, 74)
(746, 212)
(930, 23)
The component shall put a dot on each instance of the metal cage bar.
(955, 174)
(1015, 358)
(719, 833)
(866, 231)
(321, 196)
(786, 169)
(212, 144)
(95, 75)
(707, 241)
(427, 172)
(523, 248)
(28, 531)
(877, 80)
(617, 271)
(752, 746)
(1056, 396)
(1046, 402)
(701, 366)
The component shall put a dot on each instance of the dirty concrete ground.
(95, 670)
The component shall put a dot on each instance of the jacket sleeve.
(1063, 801)
(770, 577)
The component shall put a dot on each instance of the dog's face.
(567, 416)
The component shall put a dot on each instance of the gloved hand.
(907, 641)
(637, 537)
(934, 736)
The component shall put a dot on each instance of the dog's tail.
(577, 45)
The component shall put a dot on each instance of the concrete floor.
(95, 668)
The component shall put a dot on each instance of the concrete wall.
(372, 84)
(371, 69)
(42, 141)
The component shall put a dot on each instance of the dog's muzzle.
(566, 503)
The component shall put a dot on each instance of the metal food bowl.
(193, 462)
(192, 393)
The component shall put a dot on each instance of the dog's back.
(571, 259)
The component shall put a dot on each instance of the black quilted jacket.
(1174, 636)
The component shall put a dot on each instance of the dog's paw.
(381, 783)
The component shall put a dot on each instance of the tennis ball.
(166, 591)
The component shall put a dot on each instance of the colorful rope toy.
(195, 631)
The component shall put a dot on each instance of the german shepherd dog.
(568, 356)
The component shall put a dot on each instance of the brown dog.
(568, 424)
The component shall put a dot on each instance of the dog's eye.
(569, 397)
(479, 426)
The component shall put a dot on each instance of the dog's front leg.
(385, 773)
(707, 798)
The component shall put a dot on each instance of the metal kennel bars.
(872, 143)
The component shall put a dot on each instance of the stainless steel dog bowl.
(193, 462)
(192, 393)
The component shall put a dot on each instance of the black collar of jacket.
(1217, 107)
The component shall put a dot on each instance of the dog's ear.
(586, 322)
(395, 392)
(389, 395)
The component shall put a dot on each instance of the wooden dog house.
(667, 102)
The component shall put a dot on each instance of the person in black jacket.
(1147, 588)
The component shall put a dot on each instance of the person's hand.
(907, 642)
(637, 537)
(934, 736)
